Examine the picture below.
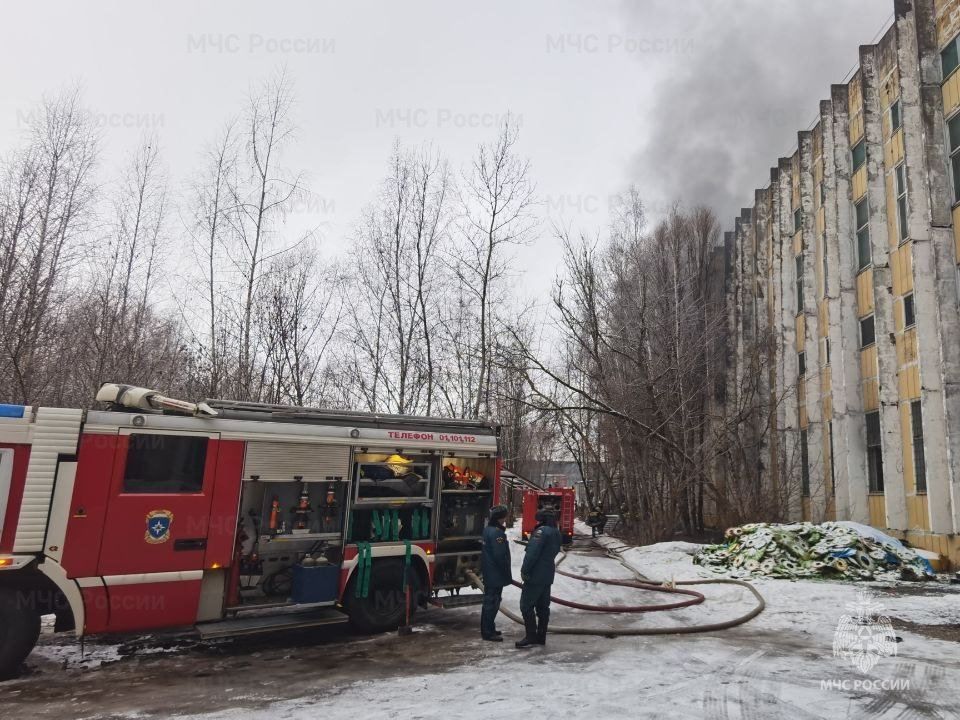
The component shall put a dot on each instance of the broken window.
(823, 262)
(895, 120)
(797, 220)
(901, 178)
(867, 335)
(833, 478)
(859, 154)
(949, 58)
(954, 131)
(863, 234)
(802, 363)
(804, 464)
(874, 452)
(799, 275)
(919, 461)
(909, 316)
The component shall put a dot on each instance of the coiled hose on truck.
(645, 584)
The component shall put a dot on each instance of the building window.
(919, 461)
(867, 335)
(823, 194)
(859, 154)
(833, 477)
(802, 363)
(901, 202)
(797, 220)
(874, 452)
(799, 274)
(804, 464)
(823, 262)
(165, 464)
(825, 350)
(863, 234)
(949, 58)
(909, 316)
(895, 120)
(954, 131)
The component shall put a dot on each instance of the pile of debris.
(802, 550)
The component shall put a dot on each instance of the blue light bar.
(11, 411)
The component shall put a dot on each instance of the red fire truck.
(560, 500)
(231, 517)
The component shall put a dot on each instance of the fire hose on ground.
(671, 588)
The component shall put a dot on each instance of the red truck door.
(156, 527)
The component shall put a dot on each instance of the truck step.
(455, 601)
(271, 623)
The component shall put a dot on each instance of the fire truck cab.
(231, 517)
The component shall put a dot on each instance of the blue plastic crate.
(315, 584)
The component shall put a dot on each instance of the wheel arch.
(47, 591)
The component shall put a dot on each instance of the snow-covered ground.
(779, 665)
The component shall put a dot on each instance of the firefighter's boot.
(542, 632)
(530, 639)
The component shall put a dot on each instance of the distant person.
(537, 574)
(495, 566)
(596, 521)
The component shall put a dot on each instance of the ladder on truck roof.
(240, 409)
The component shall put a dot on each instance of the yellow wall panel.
(820, 221)
(798, 242)
(865, 292)
(906, 267)
(896, 147)
(951, 93)
(918, 513)
(868, 362)
(824, 317)
(896, 272)
(801, 330)
(947, 13)
(871, 395)
(878, 510)
(805, 508)
(859, 183)
(910, 345)
(956, 232)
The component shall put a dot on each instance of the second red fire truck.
(231, 517)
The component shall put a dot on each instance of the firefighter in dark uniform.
(495, 566)
(537, 574)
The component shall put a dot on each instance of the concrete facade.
(844, 276)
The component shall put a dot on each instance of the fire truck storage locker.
(291, 522)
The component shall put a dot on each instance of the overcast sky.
(691, 100)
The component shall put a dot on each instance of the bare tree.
(259, 192)
(303, 307)
(396, 287)
(47, 202)
(209, 227)
(498, 199)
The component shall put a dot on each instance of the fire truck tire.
(384, 607)
(19, 630)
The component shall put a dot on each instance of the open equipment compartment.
(466, 495)
(291, 524)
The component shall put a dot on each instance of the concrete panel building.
(844, 275)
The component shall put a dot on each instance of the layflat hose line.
(695, 597)
(679, 630)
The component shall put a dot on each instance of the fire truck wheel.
(384, 607)
(19, 630)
